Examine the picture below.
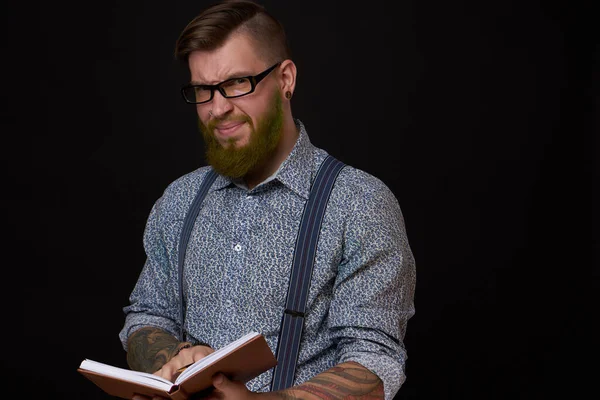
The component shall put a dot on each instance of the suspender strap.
(302, 266)
(188, 224)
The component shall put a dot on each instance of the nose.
(220, 105)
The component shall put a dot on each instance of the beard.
(235, 162)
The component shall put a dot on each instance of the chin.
(236, 143)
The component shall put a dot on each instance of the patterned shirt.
(239, 257)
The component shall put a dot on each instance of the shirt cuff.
(135, 321)
(390, 371)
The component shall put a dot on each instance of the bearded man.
(236, 269)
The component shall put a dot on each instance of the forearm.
(148, 349)
(345, 380)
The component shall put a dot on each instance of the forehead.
(237, 57)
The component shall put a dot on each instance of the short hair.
(215, 24)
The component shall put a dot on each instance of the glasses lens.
(237, 87)
(196, 94)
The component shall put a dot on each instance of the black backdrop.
(477, 115)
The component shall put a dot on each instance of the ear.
(288, 76)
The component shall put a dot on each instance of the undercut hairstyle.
(216, 24)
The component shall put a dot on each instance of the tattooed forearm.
(148, 349)
(345, 381)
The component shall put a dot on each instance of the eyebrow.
(233, 76)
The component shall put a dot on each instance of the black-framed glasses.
(234, 87)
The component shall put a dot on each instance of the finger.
(199, 352)
(220, 381)
(228, 389)
(169, 370)
(164, 372)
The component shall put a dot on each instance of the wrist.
(187, 345)
(202, 344)
(181, 346)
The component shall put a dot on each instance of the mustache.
(216, 120)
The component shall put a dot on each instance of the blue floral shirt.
(238, 262)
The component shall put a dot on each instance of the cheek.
(256, 112)
(202, 112)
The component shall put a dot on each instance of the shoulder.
(359, 197)
(180, 193)
(188, 183)
(360, 185)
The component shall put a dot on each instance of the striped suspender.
(188, 224)
(304, 256)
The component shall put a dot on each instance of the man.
(239, 256)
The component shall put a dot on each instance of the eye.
(197, 93)
(235, 82)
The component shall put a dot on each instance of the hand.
(140, 397)
(169, 370)
(226, 389)
(185, 357)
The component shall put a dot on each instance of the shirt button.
(237, 247)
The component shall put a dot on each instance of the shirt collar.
(296, 170)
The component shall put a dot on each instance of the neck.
(284, 148)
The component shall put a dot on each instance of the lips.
(228, 129)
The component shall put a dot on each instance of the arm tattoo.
(345, 381)
(148, 349)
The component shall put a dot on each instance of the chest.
(241, 251)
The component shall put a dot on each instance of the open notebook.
(241, 360)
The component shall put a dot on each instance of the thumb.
(221, 382)
(229, 389)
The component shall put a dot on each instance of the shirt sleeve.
(374, 289)
(154, 300)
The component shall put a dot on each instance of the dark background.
(479, 115)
